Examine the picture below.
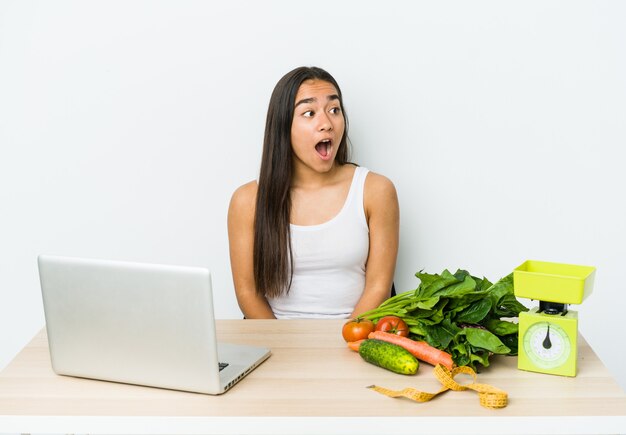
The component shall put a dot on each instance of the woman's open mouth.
(324, 148)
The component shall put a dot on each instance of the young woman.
(316, 236)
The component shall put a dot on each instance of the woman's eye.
(308, 113)
(335, 110)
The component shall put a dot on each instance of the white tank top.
(329, 262)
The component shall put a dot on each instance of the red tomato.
(393, 325)
(357, 329)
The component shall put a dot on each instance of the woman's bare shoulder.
(244, 198)
(380, 195)
(377, 185)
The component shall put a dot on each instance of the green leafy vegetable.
(476, 312)
(483, 339)
(459, 313)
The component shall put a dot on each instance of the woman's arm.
(383, 217)
(241, 242)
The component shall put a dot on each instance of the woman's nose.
(324, 123)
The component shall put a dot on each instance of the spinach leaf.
(485, 340)
(461, 274)
(460, 353)
(468, 285)
(426, 278)
(475, 312)
(500, 289)
(479, 356)
(509, 306)
(482, 284)
(429, 290)
(501, 327)
(511, 341)
(442, 334)
(418, 330)
(457, 305)
(427, 304)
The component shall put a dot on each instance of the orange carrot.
(419, 349)
(354, 345)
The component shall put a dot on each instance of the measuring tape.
(489, 397)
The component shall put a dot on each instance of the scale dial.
(547, 345)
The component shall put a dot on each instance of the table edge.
(312, 425)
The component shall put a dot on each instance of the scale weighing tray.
(553, 282)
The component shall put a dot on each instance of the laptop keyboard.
(222, 365)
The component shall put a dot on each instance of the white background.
(125, 127)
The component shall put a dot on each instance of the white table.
(312, 384)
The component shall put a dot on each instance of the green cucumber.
(388, 356)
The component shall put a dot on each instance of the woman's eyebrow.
(313, 99)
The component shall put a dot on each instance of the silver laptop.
(137, 323)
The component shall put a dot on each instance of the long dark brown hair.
(273, 262)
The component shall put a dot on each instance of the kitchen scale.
(548, 334)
